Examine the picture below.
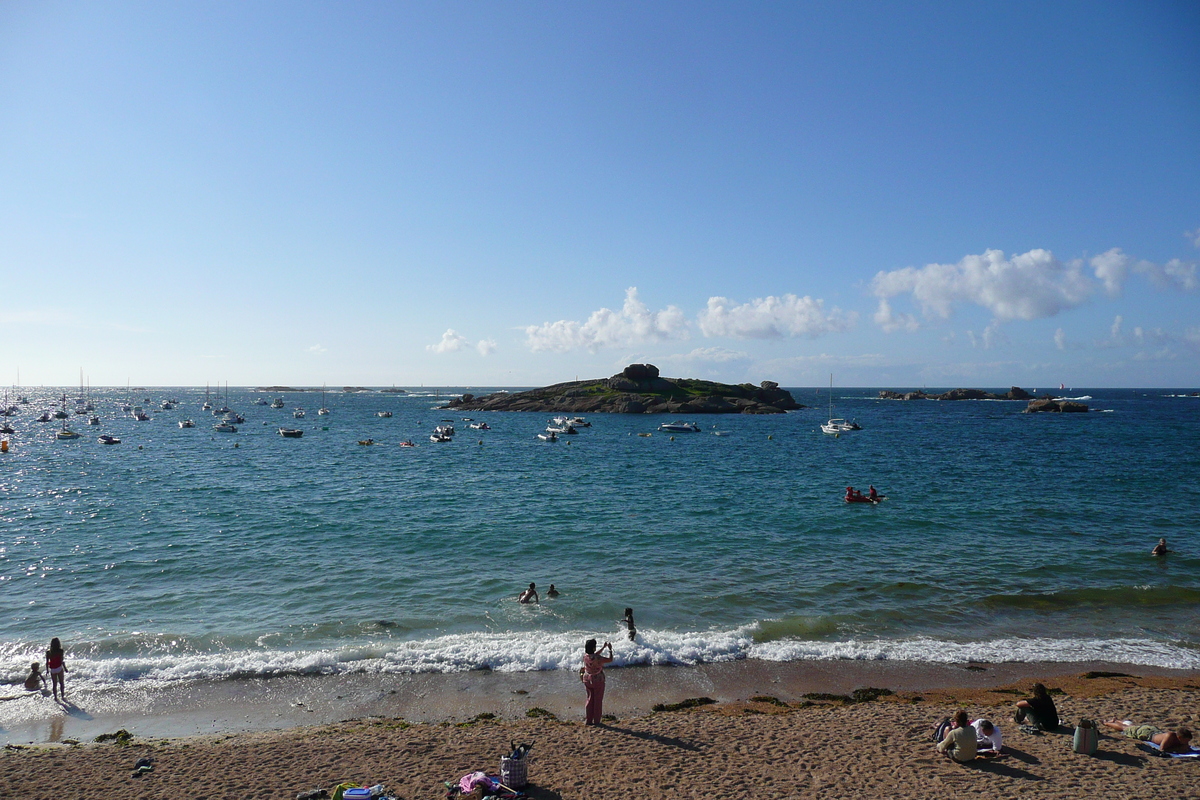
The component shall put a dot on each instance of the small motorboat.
(479, 426)
(45, 417)
(277, 402)
(384, 414)
(298, 413)
(322, 411)
(225, 427)
(680, 427)
(366, 442)
(186, 423)
(407, 443)
(66, 433)
(561, 429)
(550, 436)
(440, 437)
(7, 429)
(291, 433)
(93, 420)
(444, 430)
(109, 440)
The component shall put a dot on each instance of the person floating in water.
(530, 595)
(628, 620)
(553, 592)
(1160, 549)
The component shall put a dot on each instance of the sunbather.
(1179, 741)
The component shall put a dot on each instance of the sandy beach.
(779, 745)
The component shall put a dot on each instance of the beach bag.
(940, 730)
(1087, 738)
(514, 772)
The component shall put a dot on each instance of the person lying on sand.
(1179, 741)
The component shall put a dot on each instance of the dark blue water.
(184, 553)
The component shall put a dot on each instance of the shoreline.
(734, 749)
(253, 705)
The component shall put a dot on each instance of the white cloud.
(989, 338)
(1060, 339)
(1175, 275)
(451, 343)
(772, 318)
(1193, 237)
(892, 321)
(1111, 267)
(317, 350)
(1115, 330)
(634, 324)
(486, 347)
(715, 354)
(1029, 286)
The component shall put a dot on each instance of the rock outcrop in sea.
(638, 389)
(1053, 405)
(1015, 393)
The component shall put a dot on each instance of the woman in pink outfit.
(593, 679)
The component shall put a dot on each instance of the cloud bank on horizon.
(1024, 287)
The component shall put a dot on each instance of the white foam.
(533, 651)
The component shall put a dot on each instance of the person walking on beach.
(530, 595)
(593, 679)
(628, 620)
(1038, 710)
(56, 666)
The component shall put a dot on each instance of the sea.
(189, 554)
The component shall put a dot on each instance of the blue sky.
(898, 194)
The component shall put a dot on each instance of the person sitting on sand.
(959, 742)
(1179, 741)
(1038, 710)
(36, 679)
(987, 736)
(553, 592)
(1160, 549)
(530, 595)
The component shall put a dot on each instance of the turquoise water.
(188, 553)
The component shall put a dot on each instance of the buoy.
(4, 446)
(481, 442)
(770, 436)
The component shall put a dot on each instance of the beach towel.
(1194, 753)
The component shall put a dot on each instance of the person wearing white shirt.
(987, 735)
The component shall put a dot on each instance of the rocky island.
(1051, 403)
(1015, 393)
(638, 389)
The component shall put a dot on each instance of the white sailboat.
(837, 425)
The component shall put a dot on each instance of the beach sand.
(738, 747)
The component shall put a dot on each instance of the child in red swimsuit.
(57, 667)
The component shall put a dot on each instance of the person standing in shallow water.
(593, 679)
(530, 595)
(57, 667)
(628, 620)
